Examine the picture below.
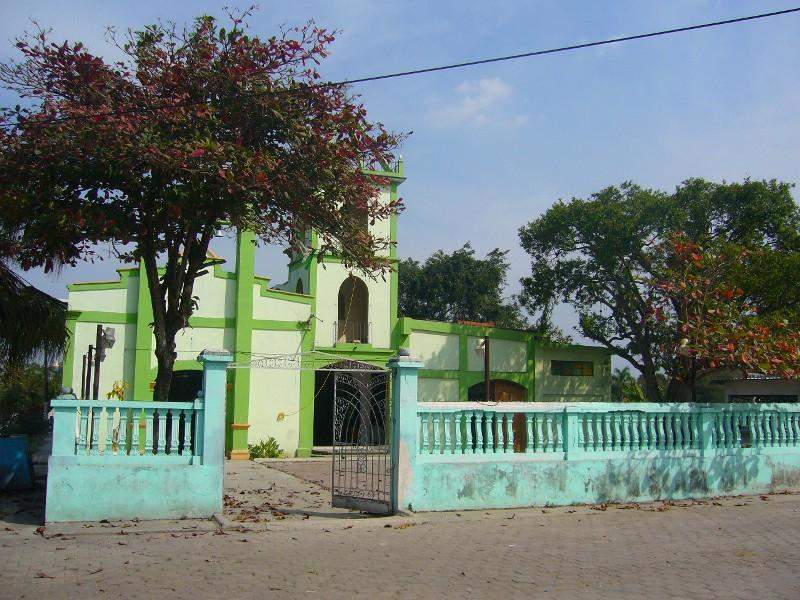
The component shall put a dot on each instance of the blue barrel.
(16, 468)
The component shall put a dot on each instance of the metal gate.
(362, 461)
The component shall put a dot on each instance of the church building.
(324, 311)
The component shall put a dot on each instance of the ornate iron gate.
(362, 461)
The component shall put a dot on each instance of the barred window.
(572, 368)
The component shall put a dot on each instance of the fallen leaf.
(43, 575)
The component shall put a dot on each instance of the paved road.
(734, 548)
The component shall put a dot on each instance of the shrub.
(266, 449)
(22, 402)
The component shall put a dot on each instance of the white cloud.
(478, 103)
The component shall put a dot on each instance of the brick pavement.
(729, 548)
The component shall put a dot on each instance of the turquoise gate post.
(405, 375)
(215, 364)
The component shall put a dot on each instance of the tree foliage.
(459, 286)
(717, 325)
(33, 324)
(605, 254)
(195, 131)
(625, 386)
(23, 402)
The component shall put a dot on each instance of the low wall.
(154, 491)
(467, 455)
(147, 460)
(638, 477)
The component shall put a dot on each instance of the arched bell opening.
(353, 316)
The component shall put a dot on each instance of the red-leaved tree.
(195, 131)
(715, 325)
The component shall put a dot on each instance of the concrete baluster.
(469, 417)
(530, 446)
(436, 434)
(509, 448)
(490, 432)
(148, 440)
(636, 424)
(425, 446)
(447, 418)
(479, 421)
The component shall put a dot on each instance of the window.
(572, 368)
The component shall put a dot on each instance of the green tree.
(605, 254)
(625, 386)
(459, 286)
(196, 131)
(22, 400)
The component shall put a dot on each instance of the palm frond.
(32, 322)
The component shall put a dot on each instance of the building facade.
(325, 310)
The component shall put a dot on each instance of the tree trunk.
(649, 375)
(679, 390)
(165, 343)
(165, 358)
(172, 299)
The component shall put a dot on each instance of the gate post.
(405, 373)
(212, 438)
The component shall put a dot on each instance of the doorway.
(323, 408)
(503, 390)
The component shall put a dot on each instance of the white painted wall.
(329, 278)
(274, 392)
(217, 296)
(755, 387)
(555, 388)
(437, 390)
(438, 351)
(382, 228)
(119, 362)
(119, 301)
(280, 310)
(190, 342)
(504, 355)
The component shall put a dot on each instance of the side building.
(323, 310)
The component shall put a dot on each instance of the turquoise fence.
(149, 460)
(459, 455)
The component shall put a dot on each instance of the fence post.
(707, 418)
(64, 419)
(405, 373)
(571, 428)
(210, 441)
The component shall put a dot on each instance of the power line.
(460, 65)
(617, 40)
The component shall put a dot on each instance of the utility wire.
(617, 40)
(460, 65)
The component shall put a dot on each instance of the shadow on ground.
(25, 507)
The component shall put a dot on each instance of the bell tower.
(352, 311)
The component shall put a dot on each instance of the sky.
(494, 146)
